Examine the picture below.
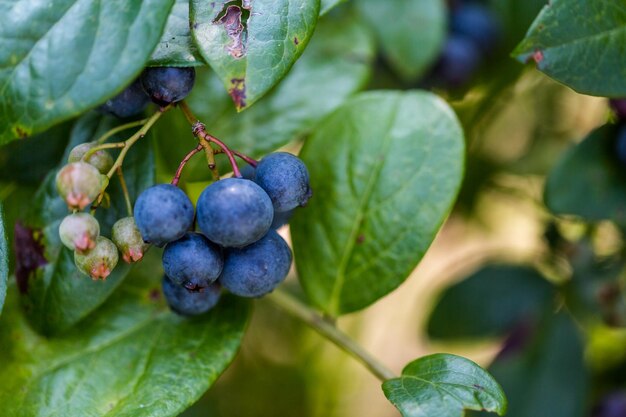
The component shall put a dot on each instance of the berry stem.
(327, 329)
(97, 148)
(186, 159)
(120, 128)
(129, 206)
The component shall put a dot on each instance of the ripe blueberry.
(458, 62)
(234, 212)
(285, 179)
(130, 102)
(99, 261)
(79, 183)
(79, 231)
(101, 159)
(167, 85)
(163, 214)
(190, 303)
(193, 261)
(127, 238)
(256, 269)
(477, 23)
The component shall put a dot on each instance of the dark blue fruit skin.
(257, 269)
(163, 214)
(193, 261)
(620, 145)
(234, 212)
(285, 179)
(477, 23)
(190, 303)
(130, 102)
(281, 219)
(248, 172)
(458, 62)
(167, 85)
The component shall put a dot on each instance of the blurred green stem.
(303, 312)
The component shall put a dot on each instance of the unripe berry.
(79, 184)
(79, 232)
(98, 262)
(128, 240)
(100, 159)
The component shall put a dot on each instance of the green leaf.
(385, 170)
(547, 377)
(411, 32)
(319, 82)
(444, 385)
(59, 58)
(4, 259)
(589, 169)
(251, 45)
(176, 47)
(580, 43)
(131, 358)
(327, 5)
(490, 302)
(58, 295)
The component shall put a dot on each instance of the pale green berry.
(99, 261)
(79, 231)
(101, 159)
(79, 184)
(128, 239)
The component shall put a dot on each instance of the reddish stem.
(186, 159)
(246, 158)
(199, 131)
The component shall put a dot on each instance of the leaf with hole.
(580, 44)
(444, 385)
(251, 45)
(383, 182)
(59, 58)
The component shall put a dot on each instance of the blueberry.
(98, 262)
(477, 23)
(285, 179)
(248, 172)
(190, 303)
(281, 218)
(193, 261)
(257, 269)
(130, 102)
(167, 85)
(79, 184)
(128, 239)
(101, 159)
(79, 232)
(163, 214)
(620, 145)
(234, 212)
(458, 62)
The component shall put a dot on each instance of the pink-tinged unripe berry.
(99, 262)
(128, 239)
(101, 159)
(79, 183)
(79, 232)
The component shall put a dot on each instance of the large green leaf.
(59, 58)
(411, 32)
(131, 358)
(547, 377)
(385, 169)
(318, 83)
(444, 385)
(490, 302)
(251, 45)
(589, 169)
(176, 47)
(580, 43)
(57, 295)
(4, 259)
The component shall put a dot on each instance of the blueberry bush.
(167, 165)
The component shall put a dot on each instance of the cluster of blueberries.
(237, 246)
(474, 34)
(82, 180)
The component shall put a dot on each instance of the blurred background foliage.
(534, 296)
